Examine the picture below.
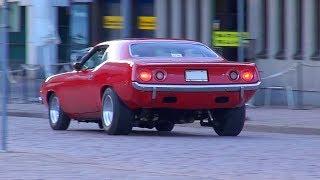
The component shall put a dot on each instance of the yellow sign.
(147, 22)
(228, 38)
(113, 22)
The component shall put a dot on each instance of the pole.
(4, 67)
(127, 18)
(240, 28)
(299, 86)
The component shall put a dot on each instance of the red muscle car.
(151, 83)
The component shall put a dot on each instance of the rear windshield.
(169, 49)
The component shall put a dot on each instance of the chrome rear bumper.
(195, 88)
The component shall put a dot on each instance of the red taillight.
(247, 75)
(145, 75)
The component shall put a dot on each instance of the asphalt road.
(84, 152)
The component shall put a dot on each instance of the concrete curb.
(27, 114)
(282, 129)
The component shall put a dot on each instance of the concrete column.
(308, 33)
(273, 14)
(316, 21)
(176, 19)
(162, 18)
(192, 23)
(31, 47)
(42, 37)
(255, 24)
(291, 31)
(206, 21)
(54, 47)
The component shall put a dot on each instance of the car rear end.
(174, 82)
(194, 85)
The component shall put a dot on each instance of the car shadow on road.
(168, 134)
(153, 133)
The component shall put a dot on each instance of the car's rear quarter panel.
(115, 75)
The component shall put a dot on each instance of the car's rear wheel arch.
(103, 89)
(122, 116)
(49, 94)
(58, 119)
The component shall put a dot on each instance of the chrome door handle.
(90, 76)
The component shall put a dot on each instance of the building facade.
(83, 23)
(287, 43)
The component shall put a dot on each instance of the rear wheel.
(116, 117)
(165, 122)
(57, 118)
(229, 122)
(165, 126)
(100, 125)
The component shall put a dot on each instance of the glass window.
(167, 49)
(96, 59)
(111, 9)
(79, 26)
(145, 24)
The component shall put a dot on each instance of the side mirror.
(77, 66)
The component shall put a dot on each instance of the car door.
(82, 91)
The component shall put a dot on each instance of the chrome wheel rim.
(54, 110)
(108, 111)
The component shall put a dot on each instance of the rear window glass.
(169, 49)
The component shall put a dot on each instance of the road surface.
(85, 152)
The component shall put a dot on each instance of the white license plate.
(196, 75)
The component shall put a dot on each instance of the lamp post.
(4, 75)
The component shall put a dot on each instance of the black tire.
(63, 121)
(100, 125)
(164, 126)
(122, 118)
(166, 121)
(229, 122)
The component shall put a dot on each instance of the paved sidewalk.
(28, 110)
(285, 120)
(276, 119)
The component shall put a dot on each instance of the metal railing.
(24, 83)
(294, 96)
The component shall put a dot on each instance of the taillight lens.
(145, 75)
(160, 75)
(233, 75)
(247, 76)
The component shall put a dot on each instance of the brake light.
(145, 75)
(247, 76)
